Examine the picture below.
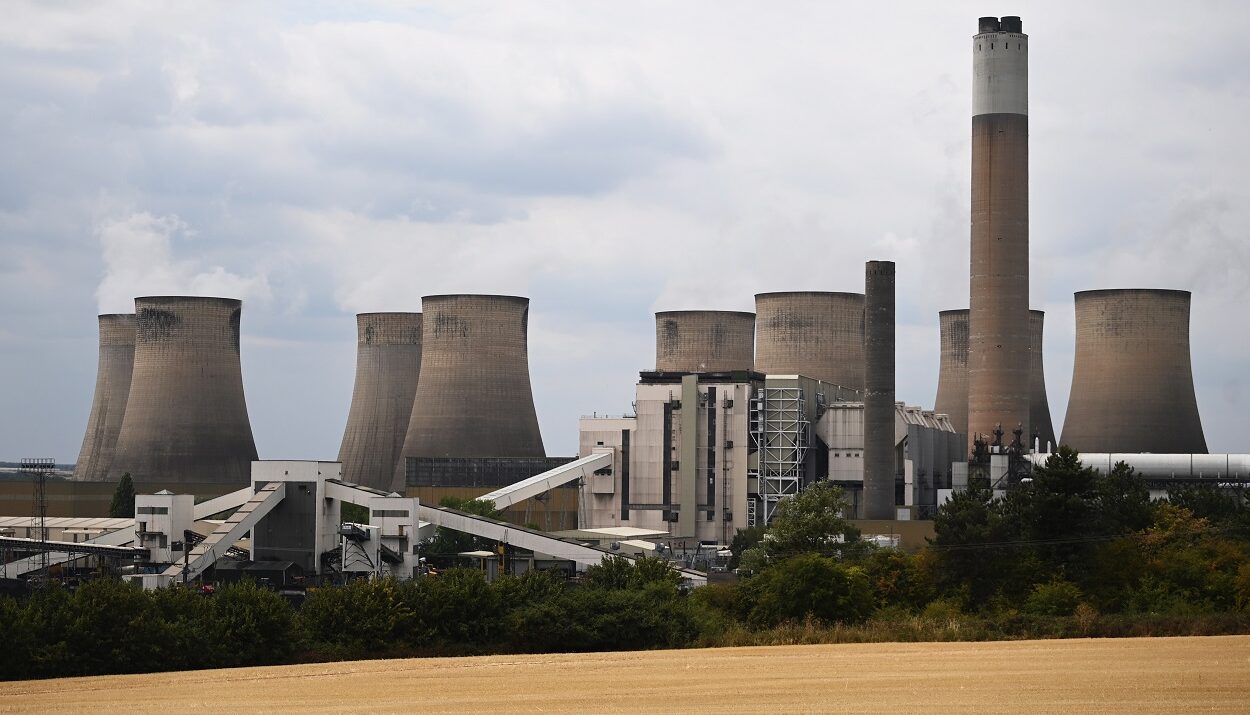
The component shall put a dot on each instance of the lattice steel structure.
(39, 468)
(780, 431)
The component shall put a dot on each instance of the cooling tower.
(815, 334)
(473, 396)
(1039, 406)
(879, 412)
(952, 392)
(388, 360)
(704, 341)
(1132, 384)
(998, 319)
(112, 387)
(186, 418)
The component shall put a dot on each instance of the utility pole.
(39, 468)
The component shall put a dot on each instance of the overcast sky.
(605, 159)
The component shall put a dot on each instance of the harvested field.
(1141, 675)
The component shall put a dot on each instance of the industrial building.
(186, 417)
(388, 362)
(1132, 383)
(108, 406)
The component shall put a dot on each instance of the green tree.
(807, 586)
(123, 505)
(812, 522)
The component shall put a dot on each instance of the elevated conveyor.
(215, 545)
(21, 567)
(582, 468)
(537, 541)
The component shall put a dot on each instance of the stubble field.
(1141, 675)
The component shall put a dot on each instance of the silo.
(388, 360)
(952, 392)
(473, 396)
(112, 387)
(1132, 383)
(704, 341)
(879, 412)
(1039, 406)
(998, 319)
(811, 333)
(186, 417)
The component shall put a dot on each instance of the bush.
(808, 586)
(1057, 598)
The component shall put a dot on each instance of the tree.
(812, 521)
(123, 506)
(808, 586)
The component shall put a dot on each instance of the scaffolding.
(779, 430)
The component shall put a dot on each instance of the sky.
(605, 159)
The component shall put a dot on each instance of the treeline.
(1070, 553)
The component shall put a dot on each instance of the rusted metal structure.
(388, 361)
(879, 408)
(1039, 406)
(186, 417)
(704, 341)
(1132, 382)
(811, 333)
(952, 392)
(998, 319)
(473, 395)
(108, 406)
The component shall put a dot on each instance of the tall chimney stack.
(879, 467)
(998, 321)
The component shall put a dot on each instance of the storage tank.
(704, 341)
(186, 418)
(1132, 383)
(1039, 406)
(473, 395)
(388, 362)
(952, 392)
(998, 320)
(811, 333)
(879, 409)
(112, 388)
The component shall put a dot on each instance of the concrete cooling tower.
(1132, 383)
(952, 392)
(473, 396)
(704, 341)
(998, 320)
(186, 418)
(815, 334)
(388, 360)
(1039, 406)
(112, 388)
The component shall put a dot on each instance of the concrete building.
(1039, 406)
(473, 395)
(1132, 382)
(704, 341)
(998, 321)
(186, 417)
(879, 443)
(108, 407)
(815, 334)
(388, 362)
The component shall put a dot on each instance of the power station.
(739, 412)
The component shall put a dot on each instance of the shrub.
(806, 586)
(1057, 598)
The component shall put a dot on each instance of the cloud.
(139, 260)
